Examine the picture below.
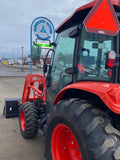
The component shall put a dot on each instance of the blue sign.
(43, 28)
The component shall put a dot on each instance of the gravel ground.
(13, 145)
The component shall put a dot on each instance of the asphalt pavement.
(18, 70)
(12, 145)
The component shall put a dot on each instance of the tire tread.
(31, 119)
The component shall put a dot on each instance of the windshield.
(92, 56)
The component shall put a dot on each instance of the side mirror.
(48, 80)
(53, 44)
(45, 68)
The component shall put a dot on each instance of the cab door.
(62, 59)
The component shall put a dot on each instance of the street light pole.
(22, 59)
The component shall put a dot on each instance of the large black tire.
(92, 129)
(28, 119)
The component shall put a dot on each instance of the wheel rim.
(22, 120)
(64, 144)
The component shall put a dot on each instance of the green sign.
(43, 45)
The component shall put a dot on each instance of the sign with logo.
(43, 28)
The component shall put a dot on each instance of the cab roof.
(80, 14)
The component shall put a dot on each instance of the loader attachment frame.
(34, 88)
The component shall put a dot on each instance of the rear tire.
(93, 137)
(28, 119)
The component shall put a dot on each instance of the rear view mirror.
(74, 33)
(95, 45)
(98, 45)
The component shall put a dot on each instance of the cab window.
(92, 56)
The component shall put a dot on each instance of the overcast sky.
(16, 17)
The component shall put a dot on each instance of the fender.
(109, 93)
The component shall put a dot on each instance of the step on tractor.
(75, 104)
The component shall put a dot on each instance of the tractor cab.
(82, 56)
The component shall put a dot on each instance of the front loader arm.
(33, 92)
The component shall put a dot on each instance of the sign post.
(44, 30)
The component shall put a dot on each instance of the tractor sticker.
(81, 68)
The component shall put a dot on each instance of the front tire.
(76, 130)
(28, 119)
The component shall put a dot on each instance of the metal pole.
(22, 59)
(31, 48)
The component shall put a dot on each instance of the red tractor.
(76, 104)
